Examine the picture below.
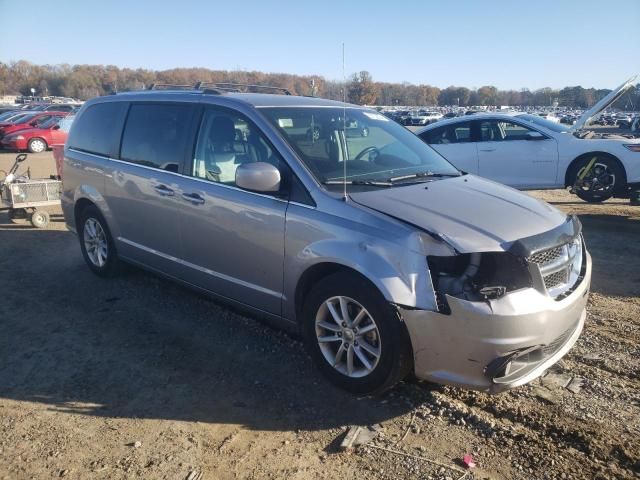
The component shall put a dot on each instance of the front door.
(516, 155)
(233, 239)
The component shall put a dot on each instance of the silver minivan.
(381, 254)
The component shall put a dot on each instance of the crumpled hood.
(471, 213)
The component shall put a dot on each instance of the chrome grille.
(555, 279)
(546, 256)
(559, 266)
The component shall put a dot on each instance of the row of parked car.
(35, 127)
(422, 117)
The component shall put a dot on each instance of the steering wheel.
(366, 151)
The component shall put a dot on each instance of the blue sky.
(468, 43)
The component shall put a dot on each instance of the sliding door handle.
(164, 190)
(194, 198)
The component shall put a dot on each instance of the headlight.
(634, 147)
(11, 138)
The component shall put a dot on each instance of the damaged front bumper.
(495, 345)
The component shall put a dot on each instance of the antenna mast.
(344, 129)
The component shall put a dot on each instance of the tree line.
(87, 81)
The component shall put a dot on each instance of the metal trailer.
(26, 198)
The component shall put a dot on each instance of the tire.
(605, 178)
(40, 218)
(385, 335)
(37, 145)
(93, 233)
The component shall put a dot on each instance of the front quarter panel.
(390, 255)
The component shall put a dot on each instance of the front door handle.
(164, 190)
(487, 149)
(194, 198)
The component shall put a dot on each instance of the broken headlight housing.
(477, 276)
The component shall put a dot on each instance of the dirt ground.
(140, 378)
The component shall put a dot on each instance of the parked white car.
(529, 152)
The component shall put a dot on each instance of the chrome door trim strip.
(208, 271)
(208, 182)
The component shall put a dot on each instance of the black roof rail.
(217, 87)
(238, 87)
(169, 86)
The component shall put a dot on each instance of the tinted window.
(455, 133)
(502, 130)
(98, 129)
(227, 140)
(155, 135)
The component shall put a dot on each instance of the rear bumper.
(498, 344)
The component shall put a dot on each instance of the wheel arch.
(319, 271)
(589, 155)
(79, 207)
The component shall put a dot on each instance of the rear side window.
(98, 129)
(454, 133)
(155, 135)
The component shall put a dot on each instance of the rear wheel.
(601, 180)
(97, 244)
(355, 336)
(37, 145)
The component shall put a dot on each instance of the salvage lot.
(141, 378)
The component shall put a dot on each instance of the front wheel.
(354, 335)
(37, 145)
(596, 180)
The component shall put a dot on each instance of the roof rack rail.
(217, 87)
(169, 86)
(238, 87)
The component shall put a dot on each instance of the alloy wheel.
(348, 336)
(95, 242)
(599, 180)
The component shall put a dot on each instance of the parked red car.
(28, 121)
(36, 139)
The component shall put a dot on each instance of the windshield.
(7, 115)
(377, 149)
(543, 122)
(21, 118)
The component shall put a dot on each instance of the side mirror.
(534, 136)
(55, 127)
(258, 177)
(33, 124)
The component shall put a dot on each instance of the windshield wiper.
(422, 175)
(373, 183)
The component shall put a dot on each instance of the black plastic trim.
(525, 247)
